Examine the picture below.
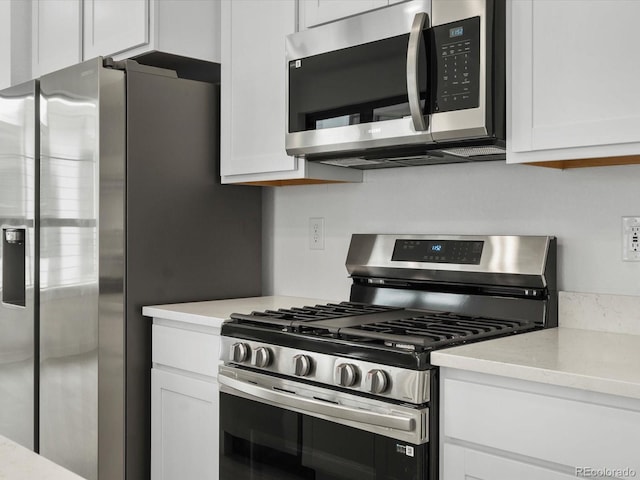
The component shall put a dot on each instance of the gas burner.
(292, 316)
(435, 330)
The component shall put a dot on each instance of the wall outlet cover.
(316, 233)
(631, 239)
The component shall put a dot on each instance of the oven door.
(276, 429)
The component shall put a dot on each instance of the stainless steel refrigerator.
(123, 208)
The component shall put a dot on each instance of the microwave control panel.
(456, 47)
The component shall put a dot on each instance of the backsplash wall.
(582, 207)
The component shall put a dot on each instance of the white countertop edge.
(20, 463)
(181, 316)
(536, 374)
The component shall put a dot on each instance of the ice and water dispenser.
(13, 266)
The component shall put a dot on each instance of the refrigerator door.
(18, 150)
(72, 109)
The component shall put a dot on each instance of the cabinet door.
(57, 35)
(460, 463)
(15, 43)
(315, 12)
(112, 26)
(5, 44)
(253, 86)
(253, 102)
(573, 93)
(184, 427)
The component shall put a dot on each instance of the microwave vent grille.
(468, 152)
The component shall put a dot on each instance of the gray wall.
(582, 207)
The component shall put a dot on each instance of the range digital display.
(467, 252)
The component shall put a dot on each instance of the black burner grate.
(434, 330)
(405, 330)
(285, 316)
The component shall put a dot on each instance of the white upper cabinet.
(57, 35)
(315, 12)
(253, 98)
(5, 44)
(113, 26)
(15, 46)
(125, 28)
(571, 79)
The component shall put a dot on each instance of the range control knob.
(376, 381)
(345, 374)
(239, 352)
(261, 357)
(301, 365)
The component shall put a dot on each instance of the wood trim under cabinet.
(589, 162)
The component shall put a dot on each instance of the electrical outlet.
(631, 239)
(316, 233)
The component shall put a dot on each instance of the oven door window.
(262, 442)
(361, 84)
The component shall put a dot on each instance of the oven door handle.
(313, 406)
(420, 124)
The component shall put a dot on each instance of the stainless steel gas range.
(346, 391)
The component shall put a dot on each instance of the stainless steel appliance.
(346, 390)
(420, 82)
(19, 156)
(123, 208)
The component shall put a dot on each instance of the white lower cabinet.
(497, 428)
(184, 401)
(184, 415)
(463, 463)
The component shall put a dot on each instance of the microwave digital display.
(456, 32)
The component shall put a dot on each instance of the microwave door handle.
(413, 89)
(282, 399)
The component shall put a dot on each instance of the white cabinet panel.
(126, 28)
(184, 438)
(572, 87)
(502, 428)
(467, 464)
(15, 42)
(190, 28)
(188, 350)
(253, 98)
(315, 12)
(557, 430)
(57, 35)
(5, 44)
(253, 86)
(112, 26)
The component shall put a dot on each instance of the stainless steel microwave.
(418, 82)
